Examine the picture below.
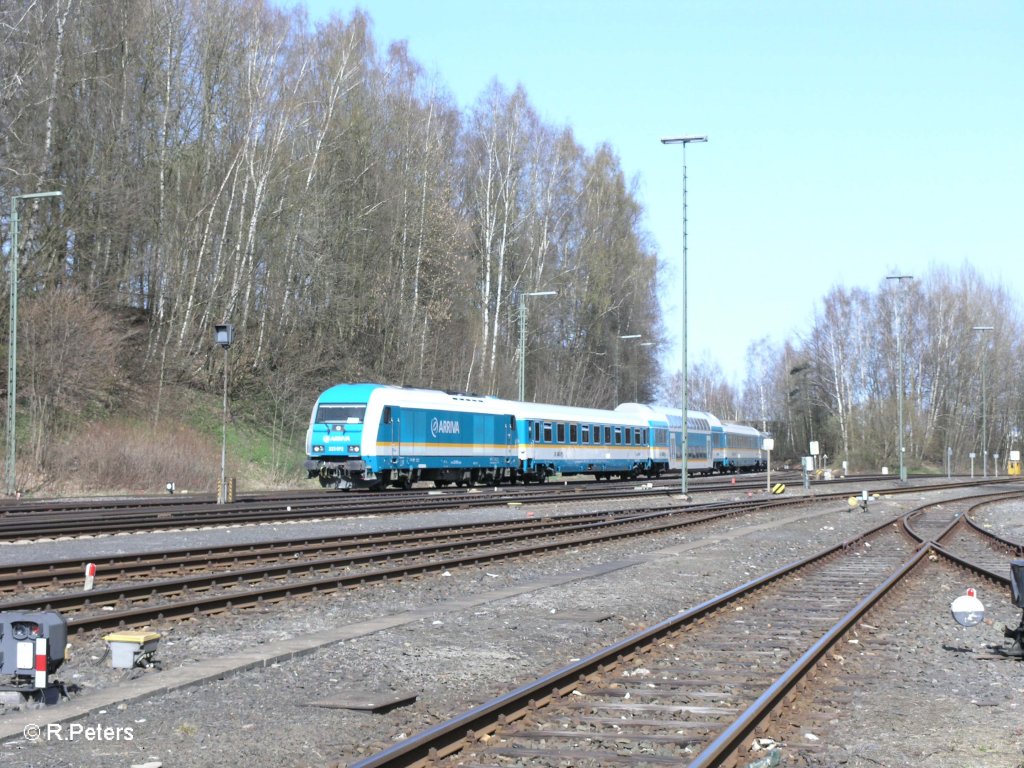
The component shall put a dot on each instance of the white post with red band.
(90, 575)
(40, 662)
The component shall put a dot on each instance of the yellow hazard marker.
(779, 488)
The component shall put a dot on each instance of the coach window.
(547, 432)
(618, 436)
(574, 433)
(629, 436)
(607, 435)
(536, 431)
(585, 434)
(561, 432)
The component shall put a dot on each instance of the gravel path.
(458, 644)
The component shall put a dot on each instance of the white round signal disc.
(968, 610)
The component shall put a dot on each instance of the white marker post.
(90, 575)
(40, 662)
(767, 445)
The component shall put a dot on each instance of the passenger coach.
(575, 441)
(712, 445)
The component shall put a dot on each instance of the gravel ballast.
(456, 639)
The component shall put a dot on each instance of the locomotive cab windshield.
(330, 413)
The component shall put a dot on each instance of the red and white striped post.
(40, 662)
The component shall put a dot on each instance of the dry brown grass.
(128, 457)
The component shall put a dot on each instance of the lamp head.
(224, 334)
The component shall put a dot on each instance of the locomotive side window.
(344, 414)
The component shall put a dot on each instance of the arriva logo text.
(443, 427)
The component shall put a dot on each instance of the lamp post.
(12, 348)
(618, 367)
(522, 338)
(224, 335)
(684, 140)
(636, 379)
(984, 405)
(899, 363)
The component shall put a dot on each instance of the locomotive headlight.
(353, 449)
(318, 449)
(26, 630)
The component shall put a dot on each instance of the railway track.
(46, 519)
(692, 689)
(96, 520)
(146, 587)
(214, 585)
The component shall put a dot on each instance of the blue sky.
(847, 140)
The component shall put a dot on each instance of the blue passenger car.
(699, 428)
(563, 440)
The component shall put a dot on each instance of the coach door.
(511, 439)
(391, 429)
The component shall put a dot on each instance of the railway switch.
(32, 647)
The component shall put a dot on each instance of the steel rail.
(591, 532)
(446, 738)
(729, 740)
(26, 525)
(17, 575)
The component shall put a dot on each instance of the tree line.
(230, 161)
(956, 336)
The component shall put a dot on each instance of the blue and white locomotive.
(375, 435)
(372, 436)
